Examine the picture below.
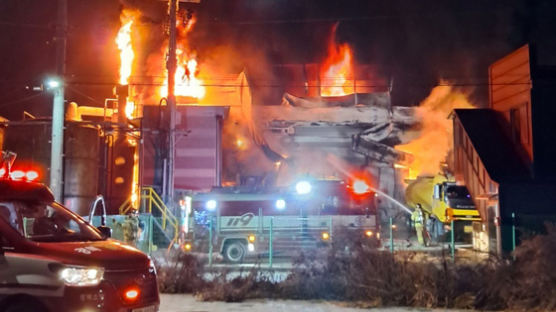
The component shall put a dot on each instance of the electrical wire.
(302, 85)
(36, 26)
(21, 100)
(85, 95)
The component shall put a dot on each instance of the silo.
(30, 139)
(81, 166)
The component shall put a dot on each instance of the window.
(436, 191)
(42, 222)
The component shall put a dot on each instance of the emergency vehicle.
(53, 260)
(306, 215)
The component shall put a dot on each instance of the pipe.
(218, 150)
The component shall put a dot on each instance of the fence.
(138, 233)
(270, 240)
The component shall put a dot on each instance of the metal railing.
(149, 199)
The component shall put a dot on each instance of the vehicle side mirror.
(437, 191)
(105, 231)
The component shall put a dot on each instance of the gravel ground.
(187, 303)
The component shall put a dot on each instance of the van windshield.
(41, 222)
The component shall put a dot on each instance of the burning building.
(322, 119)
(326, 119)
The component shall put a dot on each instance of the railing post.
(210, 242)
(271, 228)
(150, 233)
(330, 228)
(391, 236)
(452, 240)
(150, 197)
(514, 242)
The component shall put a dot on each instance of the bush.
(356, 271)
(179, 272)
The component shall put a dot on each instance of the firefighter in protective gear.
(130, 228)
(418, 218)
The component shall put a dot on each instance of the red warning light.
(17, 174)
(131, 294)
(31, 175)
(360, 187)
(20, 174)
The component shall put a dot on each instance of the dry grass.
(179, 272)
(356, 271)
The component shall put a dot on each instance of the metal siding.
(510, 88)
(195, 167)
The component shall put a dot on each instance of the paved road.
(187, 303)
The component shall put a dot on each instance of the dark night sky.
(414, 42)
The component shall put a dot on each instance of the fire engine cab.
(53, 260)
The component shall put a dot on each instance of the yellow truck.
(443, 200)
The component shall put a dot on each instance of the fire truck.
(306, 215)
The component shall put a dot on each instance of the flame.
(435, 140)
(337, 68)
(130, 109)
(186, 83)
(123, 40)
(135, 191)
(186, 78)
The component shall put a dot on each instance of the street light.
(56, 85)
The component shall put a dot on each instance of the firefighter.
(130, 228)
(418, 218)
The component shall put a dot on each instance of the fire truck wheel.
(234, 251)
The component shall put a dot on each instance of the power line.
(342, 19)
(85, 95)
(21, 100)
(23, 25)
(302, 85)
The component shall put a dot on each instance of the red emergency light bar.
(19, 175)
(360, 187)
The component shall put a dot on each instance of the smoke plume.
(435, 140)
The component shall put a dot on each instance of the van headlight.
(81, 276)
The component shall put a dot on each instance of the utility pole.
(57, 141)
(171, 66)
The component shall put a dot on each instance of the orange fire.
(123, 40)
(431, 148)
(187, 82)
(337, 69)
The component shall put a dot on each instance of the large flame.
(186, 82)
(431, 148)
(337, 69)
(123, 40)
(186, 78)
